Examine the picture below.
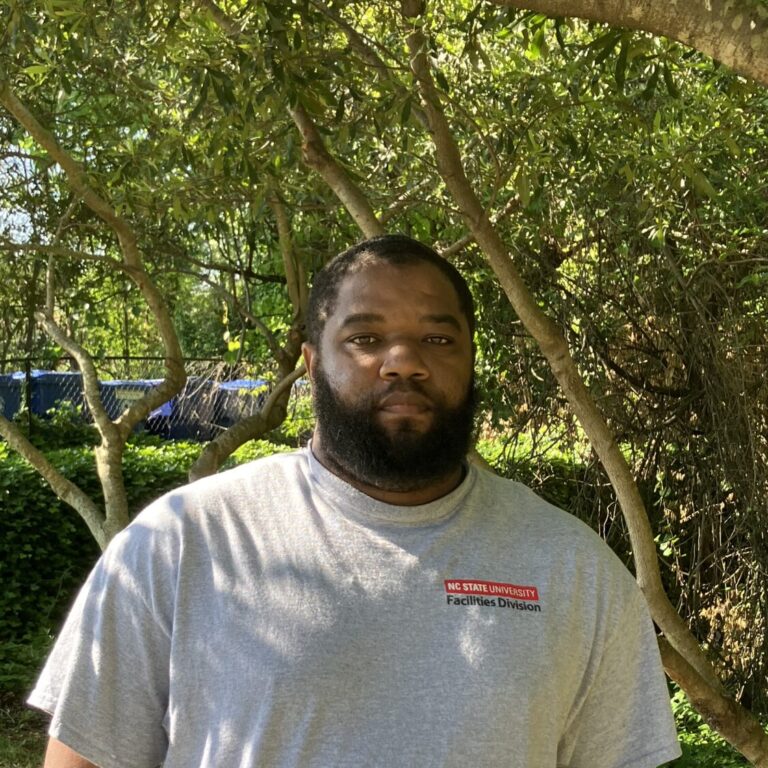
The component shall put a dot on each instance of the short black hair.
(391, 249)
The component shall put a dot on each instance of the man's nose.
(403, 360)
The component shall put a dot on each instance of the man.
(371, 600)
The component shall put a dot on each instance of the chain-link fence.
(215, 397)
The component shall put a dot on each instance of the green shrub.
(44, 546)
(64, 426)
(255, 449)
(21, 659)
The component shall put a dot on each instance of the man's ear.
(309, 353)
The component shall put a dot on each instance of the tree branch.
(718, 711)
(109, 453)
(735, 33)
(59, 252)
(85, 363)
(317, 157)
(270, 416)
(294, 269)
(272, 343)
(369, 56)
(79, 183)
(554, 347)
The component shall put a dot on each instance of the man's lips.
(405, 403)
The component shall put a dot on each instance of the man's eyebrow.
(448, 319)
(372, 317)
(362, 317)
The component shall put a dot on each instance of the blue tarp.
(189, 415)
(11, 385)
(119, 394)
(238, 399)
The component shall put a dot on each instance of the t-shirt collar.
(358, 505)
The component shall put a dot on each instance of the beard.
(405, 459)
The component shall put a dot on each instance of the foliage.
(21, 659)
(62, 427)
(22, 735)
(36, 528)
(255, 449)
(702, 747)
(296, 430)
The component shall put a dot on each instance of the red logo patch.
(490, 588)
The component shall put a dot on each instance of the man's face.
(392, 378)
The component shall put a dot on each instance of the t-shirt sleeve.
(106, 681)
(623, 718)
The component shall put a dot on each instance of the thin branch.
(271, 339)
(403, 201)
(735, 34)
(460, 244)
(50, 276)
(221, 18)
(232, 269)
(284, 384)
(90, 376)
(294, 269)
(249, 428)
(60, 252)
(317, 157)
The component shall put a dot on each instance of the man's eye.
(363, 339)
(438, 340)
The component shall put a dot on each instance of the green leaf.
(650, 86)
(669, 81)
(523, 188)
(405, 113)
(621, 63)
(733, 147)
(538, 46)
(441, 80)
(37, 69)
(700, 182)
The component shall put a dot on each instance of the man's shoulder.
(246, 485)
(516, 498)
(281, 464)
(542, 525)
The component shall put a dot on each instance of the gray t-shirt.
(275, 616)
